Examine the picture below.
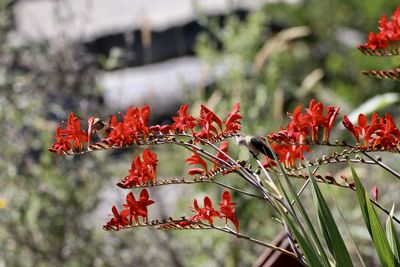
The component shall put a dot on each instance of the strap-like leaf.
(374, 226)
(392, 236)
(329, 229)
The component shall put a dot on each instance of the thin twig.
(304, 186)
(396, 174)
(259, 242)
(238, 190)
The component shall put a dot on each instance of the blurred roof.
(161, 84)
(86, 19)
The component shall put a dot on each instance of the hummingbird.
(101, 128)
(255, 144)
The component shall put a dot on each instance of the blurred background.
(99, 57)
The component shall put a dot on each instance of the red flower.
(228, 210)
(132, 128)
(289, 153)
(196, 159)
(142, 171)
(224, 148)
(71, 134)
(132, 207)
(183, 121)
(135, 120)
(206, 120)
(143, 203)
(232, 123)
(118, 220)
(73, 131)
(60, 144)
(347, 123)
(206, 213)
(299, 126)
(330, 120)
(387, 135)
(389, 33)
(380, 133)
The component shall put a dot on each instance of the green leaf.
(310, 254)
(329, 228)
(374, 226)
(349, 232)
(379, 238)
(392, 236)
(317, 245)
(361, 198)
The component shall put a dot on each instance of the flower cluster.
(142, 170)
(133, 209)
(380, 133)
(389, 33)
(210, 124)
(134, 127)
(290, 144)
(207, 213)
(70, 137)
(196, 159)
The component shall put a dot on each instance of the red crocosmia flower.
(196, 159)
(207, 113)
(60, 144)
(375, 192)
(133, 127)
(299, 126)
(137, 208)
(150, 160)
(183, 121)
(289, 153)
(119, 136)
(119, 220)
(314, 112)
(143, 203)
(347, 123)
(232, 123)
(389, 33)
(379, 133)
(73, 132)
(387, 135)
(135, 120)
(131, 206)
(330, 118)
(224, 148)
(227, 208)
(142, 171)
(206, 120)
(287, 147)
(136, 175)
(206, 213)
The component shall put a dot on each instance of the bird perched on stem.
(101, 128)
(255, 144)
